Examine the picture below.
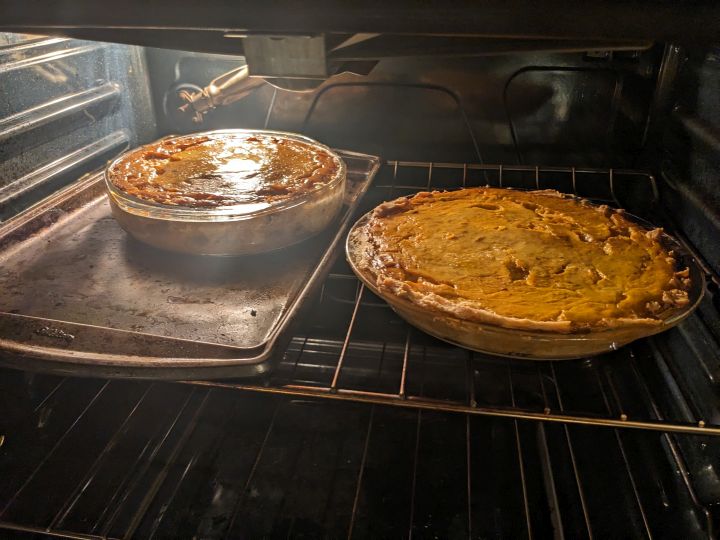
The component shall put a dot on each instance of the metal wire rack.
(157, 448)
(337, 369)
(165, 451)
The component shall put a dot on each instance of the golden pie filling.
(523, 259)
(223, 169)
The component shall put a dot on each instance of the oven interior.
(368, 428)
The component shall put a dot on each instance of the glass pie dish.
(523, 343)
(241, 228)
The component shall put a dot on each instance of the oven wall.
(66, 107)
(687, 147)
(537, 108)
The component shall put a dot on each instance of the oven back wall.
(536, 108)
(66, 107)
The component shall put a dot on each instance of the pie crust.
(534, 260)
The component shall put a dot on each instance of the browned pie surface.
(535, 260)
(223, 169)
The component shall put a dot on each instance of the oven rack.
(352, 347)
(202, 432)
(347, 366)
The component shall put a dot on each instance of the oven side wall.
(67, 106)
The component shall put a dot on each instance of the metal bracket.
(286, 56)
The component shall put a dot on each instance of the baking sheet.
(78, 294)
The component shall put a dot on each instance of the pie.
(535, 260)
(230, 192)
(223, 169)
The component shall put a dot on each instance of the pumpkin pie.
(535, 260)
(223, 169)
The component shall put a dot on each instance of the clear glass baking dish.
(517, 343)
(230, 230)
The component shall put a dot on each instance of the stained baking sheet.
(78, 294)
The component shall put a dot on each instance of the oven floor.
(87, 458)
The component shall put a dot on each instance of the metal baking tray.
(79, 296)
